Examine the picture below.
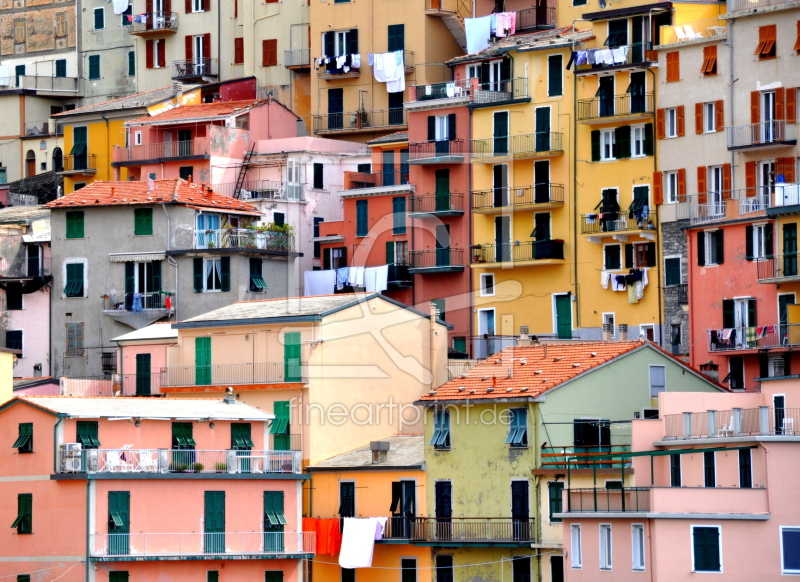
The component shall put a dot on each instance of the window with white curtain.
(213, 275)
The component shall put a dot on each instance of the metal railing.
(42, 83)
(433, 203)
(456, 89)
(360, 120)
(727, 204)
(522, 251)
(79, 163)
(483, 346)
(437, 258)
(616, 56)
(134, 302)
(154, 21)
(696, 30)
(517, 145)
(753, 338)
(575, 457)
(679, 292)
(164, 461)
(786, 194)
(472, 529)
(112, 385)
(460, 8)
(26, 268)
(536, 17)
(163, 150)
(42, 128)
(500, 91)
(358, 180)
(455, 368)
(436, 149)
(188, 68)
(518, 196)
(233, 374)
(297, 58)
(616, 221)
(591, 500)
(761, 421)
(753, 5)
(778, 267)
(190, 545)
(263, 190)
(243, 238)
(286, 442)
(625, 104)
(758, 134)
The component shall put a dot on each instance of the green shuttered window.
(518, 429)
(94, 66)
(362, 217)
(706, 549)
(240, 436)
(143, 221)
(24, 442)
(88, 434)
(441, 429)
(182, 435)
(554, 489)
(75, 223)
(24, 521)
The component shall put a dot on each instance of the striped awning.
(136, 257)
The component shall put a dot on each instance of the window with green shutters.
(279, 429)
(555, 86)
(99, 19)
(61, 67)
(347, 499)
(274, 521)
(212, 576)
(705, 542)
(214, 522)
(182, 435)
(23, 578)
(19, 71)
(75, 224)
(554, 489)
(202, 361)
(292, 351)
(441, 429)
(518, 428)
(24, 442)
(440, 308)
(399, 215)
(672, 271)
(622, 142)
(397, 37)
(240, 436)
(88, 434)
(119, 522)
(24, 521)
(257, 284)
(143, 221)
(74, 283)
(362, 217)
(408, 570)
(94, 67)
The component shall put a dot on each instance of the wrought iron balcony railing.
(190, 546)
(154, 22)
(543, 193)
(616, 105)
(192, 68)
(516, 252)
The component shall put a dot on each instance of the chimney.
(607, 331)
(112, 192)
(229, 398)
(189, 178)
(623, 332)
(524, 339)
(380, 451)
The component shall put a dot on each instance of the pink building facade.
(154, 489)
(714, 494)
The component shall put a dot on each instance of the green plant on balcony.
(196, 467)
(220, 467)
(177, 467)
(277, 237)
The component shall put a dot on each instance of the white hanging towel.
(320, 282)
(370, 276)
(381, 278)
(358, 542)
(379, 66)
(478, 30)
(381, 527)
(120, 6)
(398, 83)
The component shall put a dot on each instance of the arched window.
(30, 164)
(58, 160)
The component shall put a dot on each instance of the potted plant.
(220, 467)
(196, 467)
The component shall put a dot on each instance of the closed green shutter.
(131, 63)
(23, 578)
(352, 41)
(719, 247)
(648, 139)
(362, 217)
(555, 77)
(130, 277)
(728, 320)
(748, 242)
(281, 440)
(399, 215)
(318, 176)
(225, 273)
(408, 570)
(622, 142)
(143, 221)
(650, 254)
(389, 253)
(396, 37)
(75, 224)
(751, 313)
(197, 269)
(212, 576)
(596, 145)
(629, 256)
(273, 576)
(202, 361)
(542, 129)
(88, 434)
(706, 549)
(554, 490)
(94, 65)
(291, 357)
(61, 67)
(118, 576)
(143, 373)
(701, 249)
(155, 273)
(672, 271)
(99, 21)
(500, 133)
(347, 499)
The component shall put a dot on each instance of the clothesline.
(481, 30)
(371, 279)
(633, 283)
(338, 65)
(603, 56)
(729, 335)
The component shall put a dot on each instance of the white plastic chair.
(788, 426)
(691, 34)
(680, 33)
(725, 429)
(115, 464)
(148, 463)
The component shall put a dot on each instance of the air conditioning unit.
(71, 457)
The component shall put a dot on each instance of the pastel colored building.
(713, 484)
(7, 359)
(518, 419)
(41, 386)
(385, 478)
(116, 469)
(24, 290)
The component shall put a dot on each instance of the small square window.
(99, 19)
(672, 271)
(638, 139)
(706, 555)
(487, 285)
(612, 257)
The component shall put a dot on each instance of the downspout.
(108, 141)
(659, 249)
(55, 443)
(219, 37)
(432, 347)
(170, 260)
(471, 225)
(729, 42)
(88, 535)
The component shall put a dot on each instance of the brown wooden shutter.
(702, 186)
(168, 8)
(780, 103)
(207, 7)
(726, 181)
(681, 121)
(660, 124)
(791, 105)
(750, 178)
(148, 8)
(236, 8)
(698, 118)
(755, 106)
(161, 56)
(786, 166)
(238, 50)
(148, 59)
(207, 45)
(720, 116)
(269, 52)
(188, 47)
(681, 184)
(188, 6)
(797, 42)
(658, 188)
(673, 67)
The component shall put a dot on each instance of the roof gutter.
(248, 321)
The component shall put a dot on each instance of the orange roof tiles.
(528, 371)
(175, 191)
(202, 110)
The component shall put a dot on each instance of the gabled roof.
(175, 191)
(399, 136)
(136, 101)
(156, 331)
(201, 111)
(530, 371)
(146, 408)
(23, 214)
(406, 451)
(546, 39)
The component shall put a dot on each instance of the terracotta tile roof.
(175, 191)
(529, 371)
(137, 100)
(391, 138)
(202, 110)
(556, 38)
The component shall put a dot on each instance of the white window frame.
(148, 265)
(739, 469)
(714, 188)
(198, 6)
(637, 547)
(650, 379)
(197, 48)
(613, 322)
(441, 128)
(575, 553)
(637, 141)
(691, 545)
(759, 241)
(606, 548)
(780, 534)
(483, 287)
(137, 138)
(680, 269)
(644, 326)
(71, 261)
(218, 267)
(671, 122)
(156, 43)
(341, 42)
(637, 264)
(670, 181)
(607, 137)
(94, 18)
(621, 257)
(710, 117)
(416, 566)
(474, 71)
(710, 247)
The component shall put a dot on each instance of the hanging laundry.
(726, 333)
(750, 335)
(389, 68)
(398, 84)
(639, 290)
(503, 24)
(137, 303)
(479, 32)
(341, 278)
(358, 542)
(632, 294)
(120, 6)
(618, 283)
(605, 276)
(320, 282)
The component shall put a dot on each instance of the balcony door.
(442, 190)
(563, 308)
(168, 146)
(198, 52)
(388, 168)
(500, 133)
(502, 239)
(184, 142)
(784, 301)
(274, 522)
(543, 129)
(541, 181)
(444, 509)
(207, 231)
(202, 361)
(214, 525)
(789, 250)
(637, 92)
(486, 329)
(158, 17)
(293, 180)
(404, 507)
(291, 357)
(35, 264)
(500, 185)
(715, 194)
(79, 148)
(779, 410)
(520, 510)
(605, 94)
(335, 108)
(119, 522)
(768, 122)
(143, 368)
(442, 245)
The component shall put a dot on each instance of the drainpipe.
(432, 355)
(108, 141)
(729, 43)
(170, 260)
(55, 443)
(657, 225)
(88, 535)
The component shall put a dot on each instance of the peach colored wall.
(127, 357)
(196, 570)
(709, 499)
(373, 491)
(621, 551)
(40, 462)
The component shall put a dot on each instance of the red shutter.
(148, 59)
(269, 52)
(161, 57)
(750, 178)
(207, 45)
(726, 181)
(661, 132)
(236, 8)
(188, 6)
(755, 106)
(698, 118)
(791, 105)
(238, 50)
(681, 122)
(681, 184)
(148, 8)
(786, 166)
(168, 8)
(719, 111)
(658, 188)
(797, 42)
(188, 44)
(673, 67)
(207, 5)
(702, 187)
(780, 103)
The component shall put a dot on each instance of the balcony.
(201, 546)
(517, 147)
(455, 368)
(473, 531)
(469, 91)
(47, 84)
(755, 5)
(24, 269)
(286, 442)
(601, 500)
(579, 457)
(400, 276)
(617, 57)
(533, 197)
(786, 199)
(779, 269)
(297, 58)
(196, 149)
(112, 385)
(136, 310)
(84, 164)
(445, 260)
(748, 203)
(154, 23)
(43, 129)
(536, 18)
(244, 239)
(276, 190)
(388, 180)
(614, 108)
(195, 69)
(430, 205)
(618, 225)
(361, 121)
(768, 134)
(545, 252)
(697, 31)
(754, 338)
(437, 152)
(178, 461)
(233, 374)
(739, 422)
